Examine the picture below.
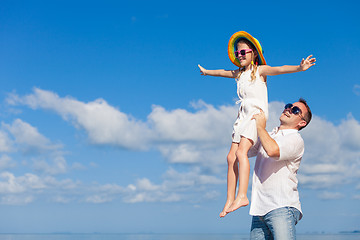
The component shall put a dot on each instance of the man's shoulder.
(289, 136)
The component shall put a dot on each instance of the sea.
(98, 236)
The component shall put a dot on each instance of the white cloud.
(212, 195)
(207, 125)
(6, 162)
(146, 191)
(142, 191)
(203, 136)
(320, 181)
(200, 138)
(78, 166)
(140, 197)
(326, 195)
(323, 168)
(145, 185)
(110, 188)
(58, 165)
(332, 153)
(356, 89)
(357, 196)
(28, 137)
(175, 179)
(16, 200)
(107, 125)
(349, 130)
(61, 199)
(212, 157)
(20, 136)
(103, 123)
(175, 187)
(98, 199)
(5, 142)
(12, 184)
(19, 190)
(64, 185)
(275, 110)
(181, 153)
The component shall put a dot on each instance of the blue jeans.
(278, 224)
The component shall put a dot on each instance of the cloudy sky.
(108, 126)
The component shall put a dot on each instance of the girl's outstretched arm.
(219, 72)
(304, 65)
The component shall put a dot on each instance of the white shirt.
(274, 180)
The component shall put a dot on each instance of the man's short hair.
(308, 115)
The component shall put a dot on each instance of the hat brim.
(235, 38)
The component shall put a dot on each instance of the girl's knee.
(240, 153)
(231, 159)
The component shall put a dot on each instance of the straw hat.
(232, 46)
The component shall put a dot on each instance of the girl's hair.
(255, 61)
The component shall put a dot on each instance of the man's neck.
(283, 127)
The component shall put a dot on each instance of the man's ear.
(302, 123)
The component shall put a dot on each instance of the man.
(275, 204)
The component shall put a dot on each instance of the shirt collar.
(284, 132)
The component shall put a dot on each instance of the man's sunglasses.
(242, 52)
(294, 110)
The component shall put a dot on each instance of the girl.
(245, 52)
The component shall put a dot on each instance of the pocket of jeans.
(296, 214)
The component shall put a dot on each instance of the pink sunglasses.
(242, 52)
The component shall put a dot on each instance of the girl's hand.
(307, 63)
(202, 70)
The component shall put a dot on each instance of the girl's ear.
(256, 57)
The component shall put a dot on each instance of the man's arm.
(270, 146)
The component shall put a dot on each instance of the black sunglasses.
(294, 110)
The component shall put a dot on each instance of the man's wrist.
(261, 129)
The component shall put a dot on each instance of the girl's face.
(245, 60)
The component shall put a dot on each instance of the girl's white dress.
(253, 96)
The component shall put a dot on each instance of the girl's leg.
(244, 172)
(232, 177)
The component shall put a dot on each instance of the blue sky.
(108, 126)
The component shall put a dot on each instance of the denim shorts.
(278, 224)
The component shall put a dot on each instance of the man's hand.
(270, 146)
(260, 120)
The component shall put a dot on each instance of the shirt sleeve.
(291, 147)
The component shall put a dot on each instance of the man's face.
(291, 120)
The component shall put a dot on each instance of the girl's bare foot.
(238, 203)
(226, 207)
